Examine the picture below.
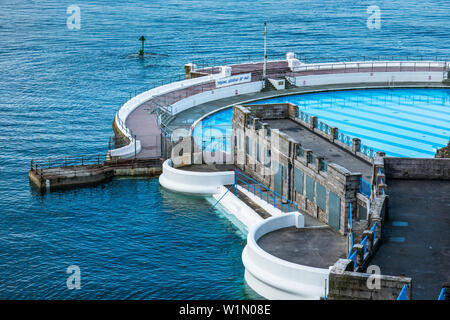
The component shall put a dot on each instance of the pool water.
(214, 131)
(400, 122)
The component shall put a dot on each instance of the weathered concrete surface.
(69, 177)
(322, 147)
(144, 125)
(66, 177)
(416, 239)
(414, 168)
(348, 285)
(315, 247)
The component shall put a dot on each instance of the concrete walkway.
(322, 147)
(416, 238)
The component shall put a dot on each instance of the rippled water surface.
(60, 89)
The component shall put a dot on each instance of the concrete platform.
(68, 177)
(318, 247)
(416, 239)
(322, 147)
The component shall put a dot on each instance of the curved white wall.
(194, 183)
(274, 278)
(127, 151)
(370, 77)
(123, 113)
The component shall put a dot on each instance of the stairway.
(288, 84)
(268, 86)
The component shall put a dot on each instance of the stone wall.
(349, 285)
(264, 153)
(417, 168)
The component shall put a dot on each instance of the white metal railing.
(375, 65)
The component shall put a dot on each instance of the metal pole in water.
(265, 49)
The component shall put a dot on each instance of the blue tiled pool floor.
(400, 122)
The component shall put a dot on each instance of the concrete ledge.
(240, 210)
(274, 278)
(348, 285)
(194, 183)
(417, 168)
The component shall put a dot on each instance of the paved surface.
(314, 247)
(416, 239)
(144, 125)
(322, 147)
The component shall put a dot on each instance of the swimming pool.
(213, 133)
(401, 122)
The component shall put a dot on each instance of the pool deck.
(318, 247)
(415, 238)
(144, 124)
(322, 147)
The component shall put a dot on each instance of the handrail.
(381, 181)
(443, 294)
(51, 162)
(351, 232)
(374, 230)
(402, 295)
(353, 258)
(364, 243)
(234, 184)
(365, 188)
(238, 178)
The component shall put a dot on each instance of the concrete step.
(268, 86)
(289, 85)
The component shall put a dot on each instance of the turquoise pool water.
(214, 131)
(400, 122)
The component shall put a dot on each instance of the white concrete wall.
(241, 211)
(274, 278)
(194, 183)
(123, 113)
(128, 151)
(367, 77)
(179, 106)
(216, 94)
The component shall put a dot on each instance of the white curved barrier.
(413, 71)
(194, 183)
(127, 151)
(274, 278)
(133, 103)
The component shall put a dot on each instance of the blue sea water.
(60, 89)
